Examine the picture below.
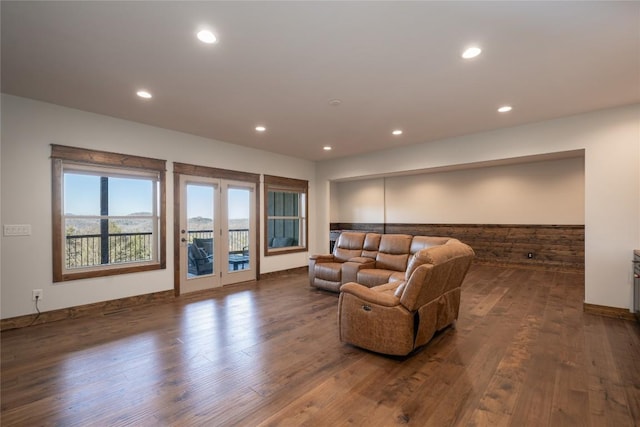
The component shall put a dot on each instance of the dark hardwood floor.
(523, 353)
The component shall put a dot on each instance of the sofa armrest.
(350, 268)
(317, 259)
(370, 295)
(321, 258)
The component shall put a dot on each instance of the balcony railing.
(238, 238)
(86, 250)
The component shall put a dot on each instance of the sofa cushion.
(392, 262)
(349, 245)
(327, 285)
(331, 271)
(424, 242)
(374, 276)
(395, 243)
(389, 288)
(393, 252)
(371, 244)
(344, 255)
(399, 289)
(397, 276)
(414, 262)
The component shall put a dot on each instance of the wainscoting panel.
(558, 247)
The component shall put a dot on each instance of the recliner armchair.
(398, 317)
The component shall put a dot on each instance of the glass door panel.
(238, 232)
(238, 216)
(200, 229)
(199, 233)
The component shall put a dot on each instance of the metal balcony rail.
(238, 238)
(86, 250)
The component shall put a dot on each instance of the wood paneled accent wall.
(552, 246)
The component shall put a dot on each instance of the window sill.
(287, 250)
(104, 272)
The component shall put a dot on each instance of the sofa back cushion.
(424, 242)
(393, 252)
(371, 245)
(349, 245)
(434, 271)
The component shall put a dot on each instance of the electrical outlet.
(36, 293)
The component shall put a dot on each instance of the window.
(108, 213)
(285, 215)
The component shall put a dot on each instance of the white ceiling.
(392, 64)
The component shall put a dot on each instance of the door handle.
(183, 240)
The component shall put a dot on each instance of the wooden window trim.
(278, 183)
(209, 172)
(61, 154)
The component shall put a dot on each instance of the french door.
(216, 232)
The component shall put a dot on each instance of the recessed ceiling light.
(206, 36)
(143, 94)
(335, 102)
(327, 148)
(471, 52)
(505, 109)
(397, 132)
(261, 128)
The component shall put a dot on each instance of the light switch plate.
(17, 229)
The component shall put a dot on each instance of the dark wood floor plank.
(505, 387)
(483, 359)
(534, 404)
(267, 353)
(607, 399)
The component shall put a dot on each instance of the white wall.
(611, 140)
(28, 129)
(541, 192)
(360, 201)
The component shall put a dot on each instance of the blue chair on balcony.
(205, 244)
(199, 262)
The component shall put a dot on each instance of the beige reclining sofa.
(393, 299)
(370, 259)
